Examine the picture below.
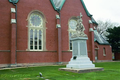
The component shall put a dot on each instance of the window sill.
(34, 51)
(104, 55)
(67, 51)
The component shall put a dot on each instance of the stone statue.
(79, 28)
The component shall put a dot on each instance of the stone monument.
(79, 58)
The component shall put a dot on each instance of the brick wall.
(70, 8)
(117, 56)
(107, 51)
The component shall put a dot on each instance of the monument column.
(80, 57)
(92, 40)
(13, 36)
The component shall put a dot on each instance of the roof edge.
(102, 43)
(87, 12)
(57, 9)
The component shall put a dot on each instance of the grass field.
(111, 72)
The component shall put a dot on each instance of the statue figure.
(79, 28)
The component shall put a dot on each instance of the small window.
(72, 29)
(104, 52)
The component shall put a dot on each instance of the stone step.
(76, 66)
(80, 62)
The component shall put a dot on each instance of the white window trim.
(70, 30)
(40, 27)
(37, 41)
(104, 52)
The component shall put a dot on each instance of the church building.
(39, 32)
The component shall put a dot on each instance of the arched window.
(36, 30)
(72, 28)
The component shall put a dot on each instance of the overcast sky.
(104, 9)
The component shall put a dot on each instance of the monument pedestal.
(80, 62)
(80, 58)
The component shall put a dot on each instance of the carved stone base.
(82, 70)
(79, 54)
(80, 63)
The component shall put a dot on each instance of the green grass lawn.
(111, 72)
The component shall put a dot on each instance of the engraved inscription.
(75, 48)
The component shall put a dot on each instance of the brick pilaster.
(13, 36)
(92, 40)
(58, 26)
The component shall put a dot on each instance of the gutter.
(16, 33)
(59, 39)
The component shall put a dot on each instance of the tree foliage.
(103, 26)
(114, 38)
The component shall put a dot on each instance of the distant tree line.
(111, 32)
(114, 38)
(103, 26)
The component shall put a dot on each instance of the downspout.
(58, 8)
(16, 33)
(59, 15)
(59, 40)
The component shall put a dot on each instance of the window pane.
(70, 45)
(31, 47)
(35, 31)
(72, 24)
(104, 53)
(70, 34)
(72, 29)
(35, 20)
(35, 39)
(70, 42)
(31, 39)
(40, 47)
(40, 38)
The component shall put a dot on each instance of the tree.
(103, 26)
(114, 38)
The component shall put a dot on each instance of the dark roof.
(88, 14)
(99, 39)
(60, 7)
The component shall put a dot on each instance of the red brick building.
(40, 33)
